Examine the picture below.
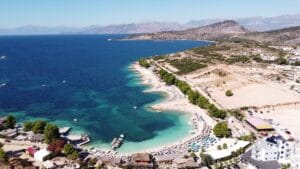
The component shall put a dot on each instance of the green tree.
(74, 155)
(39, 126)
(282, 61)
(70, 151)
(144, 63)
(225, 146)
(228, 93)
(3, 156)
(51, 133)
(206, 159)
(28, 126)
(221, 130)
(10, 122)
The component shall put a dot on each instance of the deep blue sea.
(86, 77)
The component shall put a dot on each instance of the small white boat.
(75, 120)
(109, 39)
(2, 84)
(3, 57)
(64, 130)
(43, 85)
(134, 107)
(64, 81)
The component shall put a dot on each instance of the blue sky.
(79, 13)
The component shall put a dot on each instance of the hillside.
(286, 36)
(255, 23)
(214, 31)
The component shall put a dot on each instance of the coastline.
(174, 101)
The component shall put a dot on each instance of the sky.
(80, 13)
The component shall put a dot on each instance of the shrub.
(39, 126)
(51, 133)
(10, 122)
(144, 63)
(28, 126)
(229, 93)
(221, 130)
(186, 65)
(56, 146)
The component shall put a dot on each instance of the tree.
(74, 155)
(282, 61)
(206, 159)
(28, 126)
(56, 146)
(10, 122)
(39, 126)
(144, 63)
(224, 146)
(51, 133)
(3, 156)
(229, 93)
(70, 151)
(219, 147)
(221, 130)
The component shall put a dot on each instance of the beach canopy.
(258, 123)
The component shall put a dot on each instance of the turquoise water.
(61, 78)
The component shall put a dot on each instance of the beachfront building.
(186, 163)
(259, 124)
(273, 148)
(42, 155)
(255, 164)
(142, 160)
(232, 145)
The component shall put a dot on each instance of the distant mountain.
(210, 32)
(251, 23)
(255, 23)
(147, 27)
(36, 30)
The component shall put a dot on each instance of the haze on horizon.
(79, 13)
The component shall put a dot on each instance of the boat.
(75, 120)
(64, 81)
(134, 107)
(114, 141)
(3, 57)
(64, 130)
(117, 142)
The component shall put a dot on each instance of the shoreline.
(174, 100)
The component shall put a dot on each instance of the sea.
(84, 82)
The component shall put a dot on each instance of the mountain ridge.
(208, 32)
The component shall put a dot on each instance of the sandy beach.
(175, 99)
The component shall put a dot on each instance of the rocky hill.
(214, 31)
(286, 36)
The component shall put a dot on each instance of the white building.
(273, 148)
(268, 58)
(232, 145)
(42, 155)
(294, 59)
